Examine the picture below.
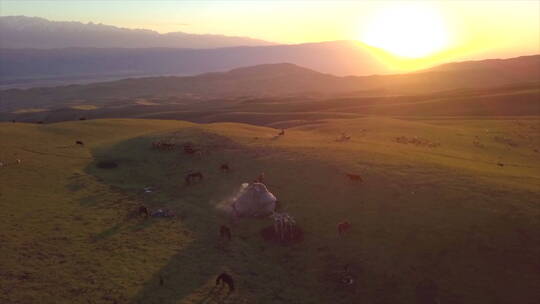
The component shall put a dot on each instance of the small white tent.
(254, 200)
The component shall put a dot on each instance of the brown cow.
(343, 227)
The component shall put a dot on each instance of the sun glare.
(408, 30)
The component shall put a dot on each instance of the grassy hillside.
(520, 99)
(274, 81)
(438, 208)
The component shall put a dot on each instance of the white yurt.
(255, 200)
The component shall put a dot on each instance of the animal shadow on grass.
(180, 281)
(187, 273)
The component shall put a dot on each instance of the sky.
(449, 29)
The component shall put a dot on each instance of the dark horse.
(260, 178)
(343, 227)
(224, 168)
(226, 279)
(193, 177)
(225, 232)
(144, 210)
(354, 177)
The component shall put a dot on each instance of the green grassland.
(445, 212)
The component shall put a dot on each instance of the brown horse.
(193, 177)
(354, 177)
(260, 178)
(225, 232)
(224, 168)
(343, 227)
(188, 149)
(226, 279)
(143, 210)
(163, 146)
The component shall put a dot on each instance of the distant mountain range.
(281, 80)
(35, 52)
(35, 67)
(39, 33)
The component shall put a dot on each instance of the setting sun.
(407, 30)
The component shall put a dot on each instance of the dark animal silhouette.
(343, 227)
(163, 146)
(80, 143)
(226, 279)
(224, 168)
(144, 210)
(225, 232)
(82, 118)
(167, 146)
(354, 177)
(193, 177)
(260, 178)
(500, 164)
(40, 122)
(188, 149)
(282, 132)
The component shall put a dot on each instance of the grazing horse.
(226, 279)
(163, 146)
(167, 146)
(260, 178)
(343, 227)
(225, 232)
(193, 177)
(80, 143)
(188, 149)
(354, 177)
(224, 168)
(144, 210)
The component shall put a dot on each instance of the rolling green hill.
(449, 200)
(274, 81)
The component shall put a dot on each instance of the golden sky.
(429, 30)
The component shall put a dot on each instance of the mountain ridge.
(34, 32)
(271, 81)
(340, 58)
